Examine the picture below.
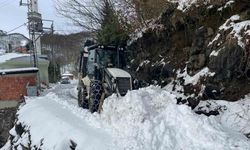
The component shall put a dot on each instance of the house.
(14, 42)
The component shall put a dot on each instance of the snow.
(215, 53)
(2, 51)
(74, 91)
(151, 24)
(210, 7)
(229, 3)
(237, 28)
(145, 62)
(2, 71)
(235, 17)
(67, 74)
(234, 115)
(24, 42)
(147, 119)
(184, 5)
(215, 39)
(195, 78)
(49, 118)
(8, 56)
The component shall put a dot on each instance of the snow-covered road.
(64, 91)
(145, 119)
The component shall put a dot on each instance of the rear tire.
(79, 96)
(96, 91)
(82, 100)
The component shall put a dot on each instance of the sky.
(12, 15)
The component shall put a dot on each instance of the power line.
(16, 28)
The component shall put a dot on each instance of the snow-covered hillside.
(144, 119)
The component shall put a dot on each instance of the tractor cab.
(102, 57)
(101, 73)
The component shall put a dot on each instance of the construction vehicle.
(101, 73)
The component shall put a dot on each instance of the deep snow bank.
(150, 119)
(145, 119)
(50, 123)
(234, 115)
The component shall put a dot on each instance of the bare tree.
(132, 14)
(75, 10)
(83, 13)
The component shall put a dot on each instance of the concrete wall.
(13, 86)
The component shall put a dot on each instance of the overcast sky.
(12, 15)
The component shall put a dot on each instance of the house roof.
(8, 56)
(19, 70)
(67, 74)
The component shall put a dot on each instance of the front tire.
(96, 91)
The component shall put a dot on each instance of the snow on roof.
(67, 74)
(24, 42)
(5, 71)
(8, 56)
(144, 119)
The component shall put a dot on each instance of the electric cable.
(16, 28)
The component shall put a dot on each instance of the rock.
(210, 113)
(7, 118)
(226, 64)
(183, 41)
(192, 102)
(196, 61)
(211, 92)
(210, 32)
(197, 57)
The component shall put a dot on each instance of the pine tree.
(112, 31)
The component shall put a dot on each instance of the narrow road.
(64, 91)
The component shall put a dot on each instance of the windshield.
(107, 58)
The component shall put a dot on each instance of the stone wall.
(7, 119)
